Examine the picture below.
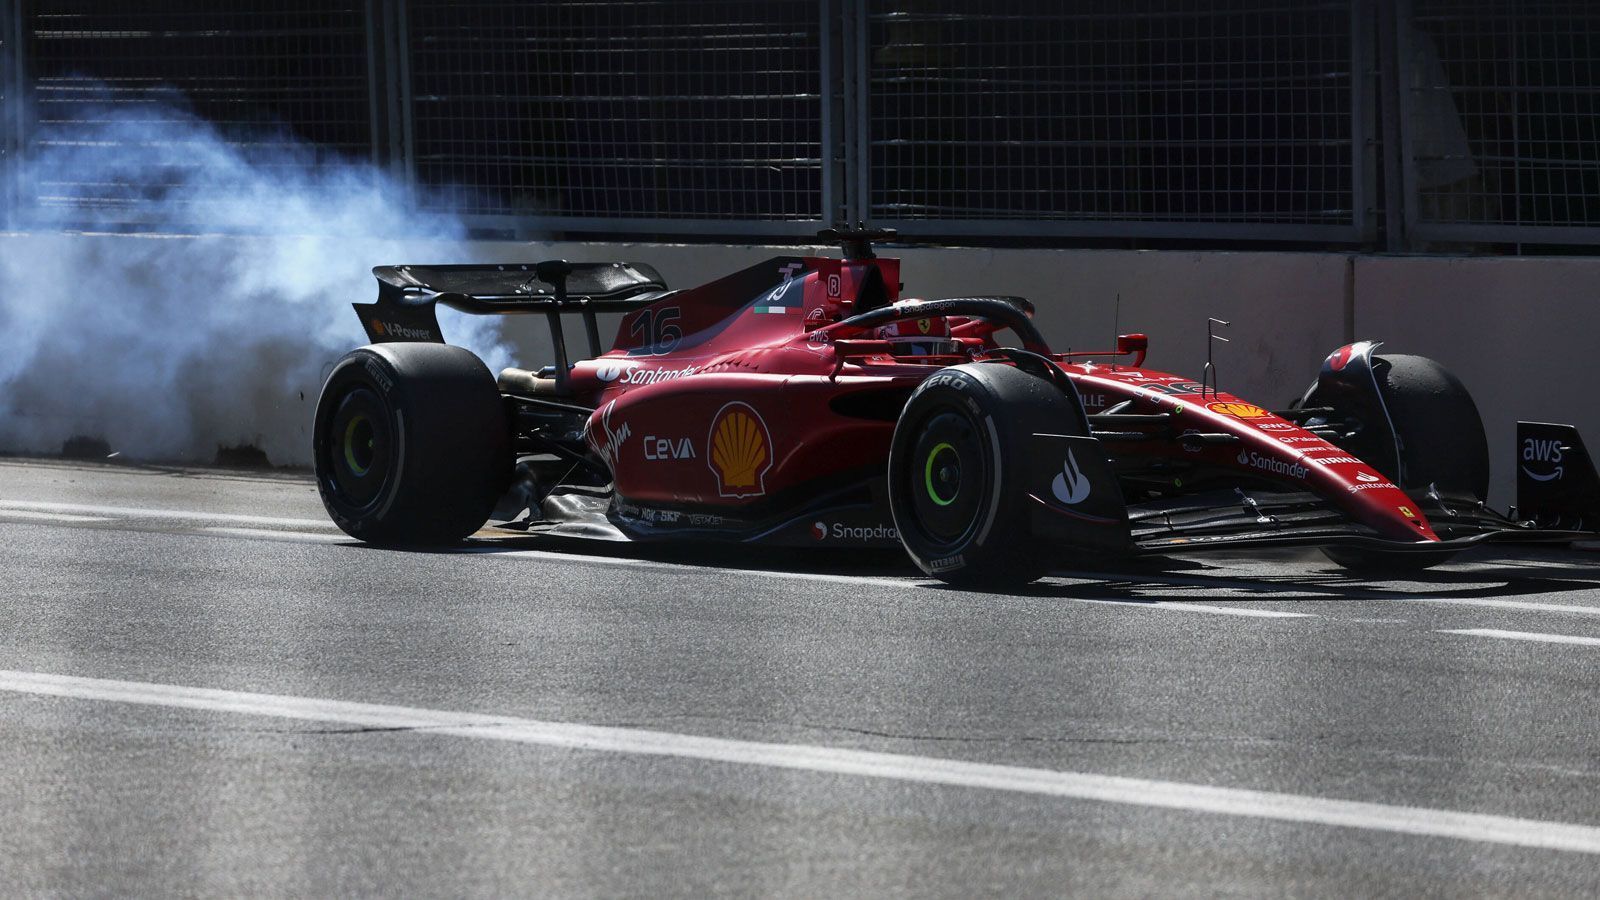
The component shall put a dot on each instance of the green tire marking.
(349, 446)
(927, 475)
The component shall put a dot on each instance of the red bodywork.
(740, 395)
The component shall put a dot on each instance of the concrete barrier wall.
(1518, 331)
(1521, 333)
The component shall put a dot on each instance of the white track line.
(1139, 792)
(1197, 607)
(554, 556)
(1520, 605)
(1526, 636)
(275, 535)
(48, 517)
(1330, 593)
(187, 515)
(325, 534)
(559, 557)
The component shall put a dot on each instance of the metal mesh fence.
(1504, 112)
(1217, 111)
(1189, 119)
(670, 109)
(268, 76)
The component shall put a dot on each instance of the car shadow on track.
(1525, 573)
(1139, 580)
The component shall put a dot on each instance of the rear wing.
(407, 295)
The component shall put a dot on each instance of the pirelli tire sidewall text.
(411, 444)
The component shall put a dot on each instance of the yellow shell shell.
(738, 449)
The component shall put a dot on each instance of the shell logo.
(1238, 410)
(741, 451)
(377, 327)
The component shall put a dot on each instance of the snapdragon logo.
(841, 532)
(1270, 464)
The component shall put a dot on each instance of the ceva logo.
(1071, 486)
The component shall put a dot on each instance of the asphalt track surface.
(206, 690)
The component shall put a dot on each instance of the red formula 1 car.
(803, 402)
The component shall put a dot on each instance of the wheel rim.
(358, 445)
(358, 456)
(948, 471)
(944, 487)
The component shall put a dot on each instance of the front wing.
(1237, 520)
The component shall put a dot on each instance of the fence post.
(13, 121)
(835, 130)
(1390, 89)
(1364, 68)
(1405, 191)
(862, 86)
(386, 80)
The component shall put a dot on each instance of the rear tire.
(956, 472)
(1442, 443)
(411, 444)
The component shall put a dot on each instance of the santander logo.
(1071, 486)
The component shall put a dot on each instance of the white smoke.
(170, 346)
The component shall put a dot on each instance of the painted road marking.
(1522, 605)
(324, 531)
(1198, 607)
(275, 535)
(1527, 636)
(48, 517)
(1142, 792)
(328, 534)
(1288, 586)
(623, 562)
(135, 512)
(555, 556)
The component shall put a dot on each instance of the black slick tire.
(411, 444)
(957, 469)
(1442, 443)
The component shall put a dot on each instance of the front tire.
(956, 472)
(411, 444)
(1442, 443)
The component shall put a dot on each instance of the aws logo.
(1543, 453)
(741, 451)
(1239, 410)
